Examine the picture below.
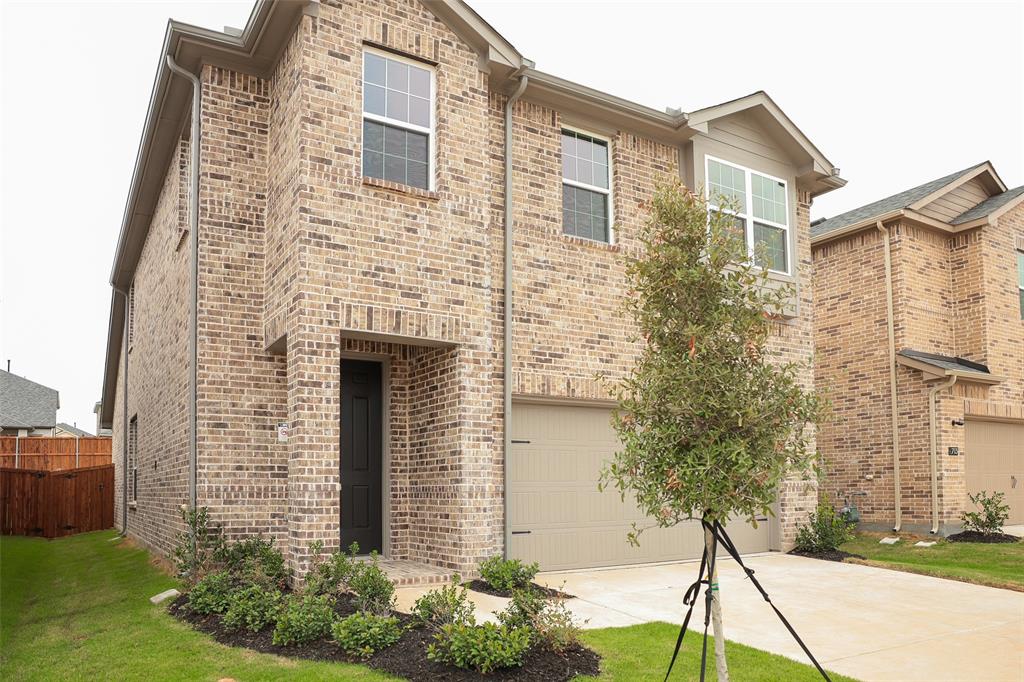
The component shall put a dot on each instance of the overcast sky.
(894, 94)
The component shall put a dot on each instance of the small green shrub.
(446, 605)
(523, 608)
(373, 591)
(330, 575)
(506, 575)
(992, 516)
(303, 619)
(253, 607)
(483, 648)
(255, 561)
(364, 634)
(197, 546)
(825, 531)
(212, 593)
(555, 627)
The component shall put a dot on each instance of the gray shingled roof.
(72, 429)
(989, 205)
(883, 206)
(25, 403)
(946, 362)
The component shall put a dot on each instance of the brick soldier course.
(955, 244)
(305, 262)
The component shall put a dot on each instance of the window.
(586, 187)
(131, 316)
(1020, 281)
(760, 208)
(398, 121)
(133, 459)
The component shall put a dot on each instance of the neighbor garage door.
(558, 517)
(995, 463)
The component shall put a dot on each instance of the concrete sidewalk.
(865, 622)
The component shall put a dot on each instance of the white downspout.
(124, 415)
(194, 144)
(507, 306)
(934, 456)
(893, 405)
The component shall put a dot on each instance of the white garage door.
(995, 463)
(559, 519)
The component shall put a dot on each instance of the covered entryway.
(995, 463)
(559, 519)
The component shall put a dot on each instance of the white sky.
(894, 94)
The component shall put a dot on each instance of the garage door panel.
(994, 461)
(560, 519)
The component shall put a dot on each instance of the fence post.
(17, 450)
(77, 439)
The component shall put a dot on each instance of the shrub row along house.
(353, 373)
(919, 318)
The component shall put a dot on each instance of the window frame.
(430, 131)
(132, 463)
(1020, 280)
(607, 191)
(748, 216)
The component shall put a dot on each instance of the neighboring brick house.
(351, 287)
(956, 259)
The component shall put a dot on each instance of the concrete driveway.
(868, 623)
(865, 622)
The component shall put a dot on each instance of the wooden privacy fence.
(46, 453)
(55, 503)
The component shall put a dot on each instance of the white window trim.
(429, 131)
(748, 215)
(1018, 253)
(607, 191)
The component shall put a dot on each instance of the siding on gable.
(956, 201)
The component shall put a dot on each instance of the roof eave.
(934, 373)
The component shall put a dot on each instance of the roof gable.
(24, 403)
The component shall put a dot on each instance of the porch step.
(408, 573)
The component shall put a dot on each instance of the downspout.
(124, 417)
(507, 304)
(934, 455)
(893, 405)
(193, 209)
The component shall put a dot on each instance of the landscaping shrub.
(255, 561)
(304, 618)
(372, 590)
(198, 545)
(992, 516)
(330, 575)
(253, 607)
(446, 605)
(825, 531)
(364, 634)
(483, 648)
(212, 593)
(506, 575)
(523, 608)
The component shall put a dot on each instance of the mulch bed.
(975, 536)
(833, 555)
(481, 586)
(407, 658)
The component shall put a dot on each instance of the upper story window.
(586, 186)
(1020, 281)
(398, 120)
(759, 204)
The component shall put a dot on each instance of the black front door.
(361, 466)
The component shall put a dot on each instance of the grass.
(997, 565)
(78, 608)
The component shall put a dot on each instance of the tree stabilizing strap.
(719, 536)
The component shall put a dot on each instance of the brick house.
(350, 380)
(952, 251)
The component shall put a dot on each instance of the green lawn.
(77, 608)
(999, 565)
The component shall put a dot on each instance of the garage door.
(995, 463)
(559, 519)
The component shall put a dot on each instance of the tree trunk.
(716, 613)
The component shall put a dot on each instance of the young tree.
(709, 425)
